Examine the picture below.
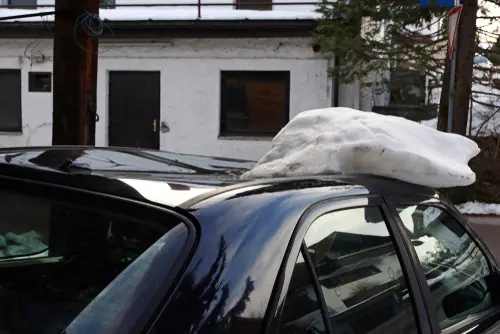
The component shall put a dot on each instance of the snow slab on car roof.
(346, 140)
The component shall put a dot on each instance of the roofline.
(6, 149)
(150, 29)
(340, 179)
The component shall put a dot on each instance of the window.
(254, 4)
(302, 311)
(254, 103)
(40, 81)
(360, 274)
(455, 268)
(59, 262)
(107, 3)
(407, 86)
(23, 3)
(10, 100)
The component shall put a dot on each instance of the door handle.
(154, 125)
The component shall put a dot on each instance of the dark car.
(116, 240)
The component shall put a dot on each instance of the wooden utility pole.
(466, 50)
(75, 74)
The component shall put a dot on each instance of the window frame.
(18, 128)
(470, 322)
(277, 301)
(273, 74)
(59, 193)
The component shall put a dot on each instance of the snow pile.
(478, 208)
(351, 141)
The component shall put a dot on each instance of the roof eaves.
(175, 28)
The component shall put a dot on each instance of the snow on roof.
(279, 12)
(351, 141)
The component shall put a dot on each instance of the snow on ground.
(478, 208)
(351, 141)
(279, 12)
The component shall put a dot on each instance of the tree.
(374, 37)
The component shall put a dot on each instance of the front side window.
(455, 268)
(360, 273)
(59, 259)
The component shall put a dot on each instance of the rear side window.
(302, 310)
(360, 275)
(65, 266)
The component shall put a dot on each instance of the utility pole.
(466, 50)
(453, 23)
(75, 72)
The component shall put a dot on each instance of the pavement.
(488, 229)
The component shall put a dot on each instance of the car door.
(348, 273)
(458, 277)
(83, 262)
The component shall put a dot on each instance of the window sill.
(245, 138)
(11, 133)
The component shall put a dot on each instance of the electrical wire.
(92, 25)
(13, 17)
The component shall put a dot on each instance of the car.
(128, 240)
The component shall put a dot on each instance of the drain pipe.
(335, 85)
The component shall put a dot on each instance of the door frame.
(148, 213)
(276, 303)
(157, 116)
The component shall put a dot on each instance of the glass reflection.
(360, 273)
(455, 268)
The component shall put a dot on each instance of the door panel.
(134, 109)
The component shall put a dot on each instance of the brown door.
(134, 109)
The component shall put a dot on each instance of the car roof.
(173, 179)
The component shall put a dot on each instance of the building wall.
(190, 87)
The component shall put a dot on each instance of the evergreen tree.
(373, 37)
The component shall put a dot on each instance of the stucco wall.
(190, 84)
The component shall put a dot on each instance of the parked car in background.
(118, 240)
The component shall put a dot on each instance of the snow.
(478, 208)
(161, 192)
(292, 12)
(485, 120)
(346, 140)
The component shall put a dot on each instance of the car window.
(302, 310)
(24, 227)
(455, 268)
(360, 274)
(59, 259)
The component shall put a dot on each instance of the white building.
(221, 85)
